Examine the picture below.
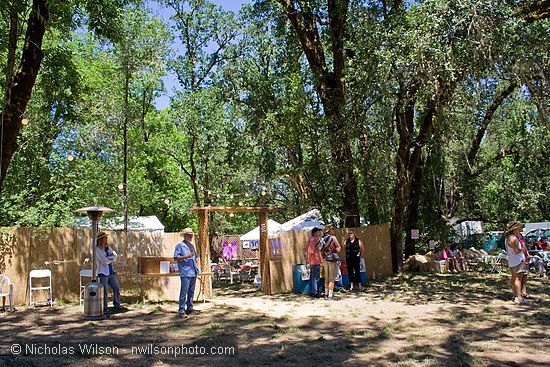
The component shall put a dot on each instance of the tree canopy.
(391, 111)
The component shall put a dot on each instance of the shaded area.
(401, 322)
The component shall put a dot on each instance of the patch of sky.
(164, 13)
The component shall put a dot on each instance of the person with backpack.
(314, 261)
(331, 261)
(354, 249)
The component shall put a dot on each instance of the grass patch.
(504, 322)
(360, 334)
(285, 331)
(386, 332)
(212, 330)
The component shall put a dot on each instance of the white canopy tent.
(145, 223)
(273, 228)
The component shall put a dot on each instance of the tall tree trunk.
(330, 87)
(23, 82)
(412, 210)
(409, 160)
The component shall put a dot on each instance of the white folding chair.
(498, 262)
(6, 290)
(84, 273)
(43, 273)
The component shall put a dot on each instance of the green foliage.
(246, 116)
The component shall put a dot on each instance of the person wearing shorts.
(516, 259)
(331, 267)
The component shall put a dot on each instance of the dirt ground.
(409, 320)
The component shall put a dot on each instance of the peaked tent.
(146, 223)
(304, 222)
(273, 228)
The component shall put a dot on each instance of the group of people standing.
(184, 254)
(329, 258)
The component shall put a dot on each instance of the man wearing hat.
(186, 257)
(516, 258)
(105, 257)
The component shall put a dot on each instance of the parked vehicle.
(538, 239)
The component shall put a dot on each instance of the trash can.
(299, 286)
(93, 299)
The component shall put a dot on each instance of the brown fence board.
(30, 248)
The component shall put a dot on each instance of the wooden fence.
(377, 254)
(66, 250)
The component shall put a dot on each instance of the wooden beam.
(264, 253)
(204, 245)
(235, 209)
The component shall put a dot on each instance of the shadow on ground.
(462, 331)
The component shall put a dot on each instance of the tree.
(306, 17)
(19, 85)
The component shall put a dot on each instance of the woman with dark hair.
(354, 249)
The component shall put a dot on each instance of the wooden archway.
(204, 242)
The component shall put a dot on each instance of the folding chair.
(498, 261)
(7, 292)
(84, 273)
(228, 271)
(43, 273)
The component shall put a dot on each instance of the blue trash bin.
(299, 286)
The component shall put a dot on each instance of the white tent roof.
(304, 222)
(148, 223)
(273, 227)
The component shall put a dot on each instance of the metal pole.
(95, 225)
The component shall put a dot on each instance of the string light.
(24, 121)
(263, 191)
(231, 215)
(70, 157)
(120, 186)
(167, 201)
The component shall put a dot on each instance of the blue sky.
(170, 80)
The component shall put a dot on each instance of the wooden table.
(201, 277)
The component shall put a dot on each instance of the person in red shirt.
(314, 260)
(447, 255)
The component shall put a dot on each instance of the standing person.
(105, 257)
(354, 249)
(330, 264)
(314, 260)
(186, 257)
(516, 258)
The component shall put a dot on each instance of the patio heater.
(93, 292)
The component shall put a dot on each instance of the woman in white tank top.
(516, 258)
